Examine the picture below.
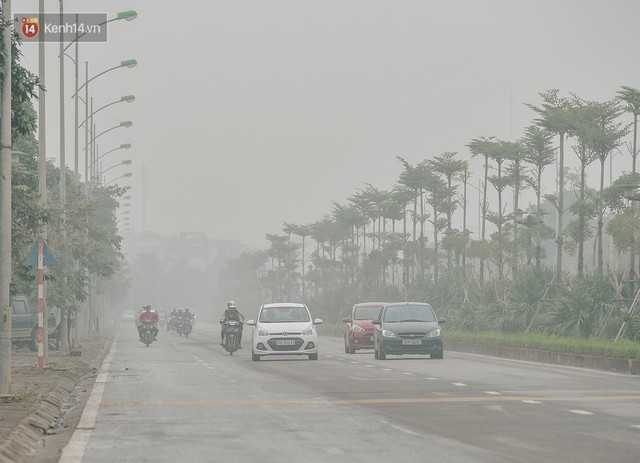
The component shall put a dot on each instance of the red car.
(359, 330)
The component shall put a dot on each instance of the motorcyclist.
(148, 316)
(173, 317)
(232, 313)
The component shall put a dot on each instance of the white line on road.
(387, 369)
(370, 366)
(431, 379)
(531, 402)
(333, 451)
(492, 392)
(459, 384)
(401, 429)
(581, 412)
(635, 426)
(407, 373)
(74, 450)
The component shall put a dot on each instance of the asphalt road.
(186, 399)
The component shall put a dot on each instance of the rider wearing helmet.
(147, 315)
(232, 313)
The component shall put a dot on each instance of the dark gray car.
(407, 328)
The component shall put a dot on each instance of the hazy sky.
(253, 113)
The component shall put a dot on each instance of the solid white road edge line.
(73, 452)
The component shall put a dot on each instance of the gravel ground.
(40, 417)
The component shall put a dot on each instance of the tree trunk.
(600, 215)
(484, 211)
(559, 239)
(581, 220)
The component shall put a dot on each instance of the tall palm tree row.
(388, 244)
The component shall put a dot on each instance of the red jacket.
(149, 316)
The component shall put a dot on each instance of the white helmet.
(231, 304)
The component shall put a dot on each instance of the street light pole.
(127, 15)
(63, 194)
(125, 63)
(127, 175)
(42, 156)
(92, 147)
(5, 206)
(122, 99)
(126, 162)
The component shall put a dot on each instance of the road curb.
(616, 365)
(26, 437)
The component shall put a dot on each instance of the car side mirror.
(251, 322)
(346, 319)
(376, 322)
(318, 321)
(442, 320)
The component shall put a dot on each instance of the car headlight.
(388, 334)
(308, 331)
(262, 332)
(357, 328)
(434, 334)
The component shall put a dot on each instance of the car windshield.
(366, 313)
(284, 315)
(409, 313)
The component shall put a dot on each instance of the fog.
(249, 114)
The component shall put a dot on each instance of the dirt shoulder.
(39, 419)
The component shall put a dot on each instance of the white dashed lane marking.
(581, 412)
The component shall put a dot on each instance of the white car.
(284, 328)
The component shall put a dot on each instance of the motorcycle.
(232, 329)
(184, 327)
(147, 333)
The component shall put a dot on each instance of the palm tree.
(631, 96)
(302, 231)
(555, 115)
(516, 153)
(437, 195)
(403, 196)
(447, 165)
(499, 155)
(393, 209)
(605, 136)
(484, 147)
(540, 154)
(450, 168)
(362, 202)
(410, 178)
(584, 124)
(351, 218)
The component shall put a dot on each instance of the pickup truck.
(24, 322)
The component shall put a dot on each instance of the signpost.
(40, 256)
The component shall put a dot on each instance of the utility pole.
(64, 347)
(5, 205)
(42, 154)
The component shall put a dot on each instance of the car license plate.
(411, 342)
(285, 342)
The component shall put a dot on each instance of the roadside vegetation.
(80, 232)
(557, 272)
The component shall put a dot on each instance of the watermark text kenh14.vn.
(85, 27)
